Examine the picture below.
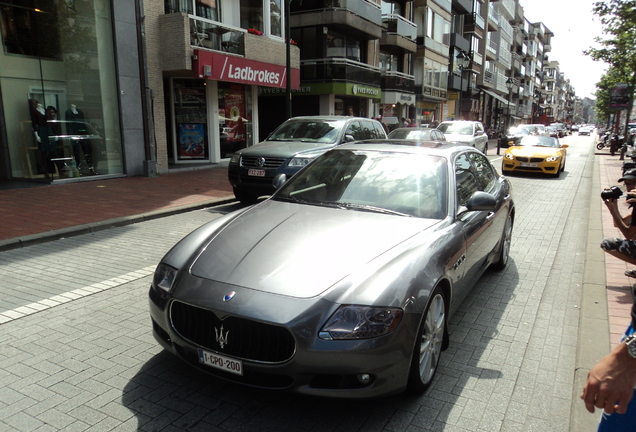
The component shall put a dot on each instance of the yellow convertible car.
(541, 154)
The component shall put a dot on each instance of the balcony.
(493, 19)
(475, 20)
(187, 32)
(399, 35)
(457, 40)
(216, 36)
(398, 81)
(359, 18)
(339, 69)
(463, 6)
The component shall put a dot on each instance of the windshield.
(386, 182)
(539, 141)
(308, 131)
(456, 128)
(413, 134)
(518, 131)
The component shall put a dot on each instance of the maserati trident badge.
(220, 337)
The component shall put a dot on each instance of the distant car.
(552, 132)
(586, 130)
(560, 129)
(513, 136)
(420, 134)
(574, 128)
(294, 144)
(465, 132)
(342, 283)
(535, 129)
(540, 154)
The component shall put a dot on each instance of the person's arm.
(610, 383)
(622, 223)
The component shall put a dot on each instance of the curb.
(594, 332)
(47, 236)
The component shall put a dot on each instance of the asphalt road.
(78, 354)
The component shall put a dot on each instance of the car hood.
(285, 149)
(300, 250)
(533, 151)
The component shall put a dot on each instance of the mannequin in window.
(77, 126)
(40, 132)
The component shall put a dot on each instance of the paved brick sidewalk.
(619, 299)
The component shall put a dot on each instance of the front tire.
(429, 343)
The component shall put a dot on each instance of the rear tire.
(506, 241)
(431, 339)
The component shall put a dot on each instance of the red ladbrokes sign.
(221, 67)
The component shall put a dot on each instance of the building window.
(252, 14)
(59, 91)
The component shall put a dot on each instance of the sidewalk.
(48, 212)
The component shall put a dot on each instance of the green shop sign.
(347, 89)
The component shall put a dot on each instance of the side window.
(483, 170)
(355, 130)
(379, 130)
(479, 127)
(467, 183)
(368, 131)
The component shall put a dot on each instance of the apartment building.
(146, 86)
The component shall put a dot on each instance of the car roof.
(439, 148)
(329, 118)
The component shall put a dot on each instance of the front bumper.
(316, 367)
(537, 167)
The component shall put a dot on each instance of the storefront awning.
(496, 96)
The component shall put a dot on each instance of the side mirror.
(481, 201)
(349, 138)
(479, 133)
(279, 180)
(564, 146)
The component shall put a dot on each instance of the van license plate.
(256, 173)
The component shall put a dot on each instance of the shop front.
(216, 113)
(395, 106)
(337, 98)
(59, 113)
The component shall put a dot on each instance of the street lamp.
(510, 82)
(462, 63)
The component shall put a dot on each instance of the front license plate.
(256, 173)
(528, 165)
(221, 362)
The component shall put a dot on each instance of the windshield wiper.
(290, 198)
(370, 208)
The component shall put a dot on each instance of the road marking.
(66, 297)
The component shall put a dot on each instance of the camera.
(611, 193)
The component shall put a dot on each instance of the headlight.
(552, 158)
(300, 161)
(164, 277)
(509, 156)
(360, 322)
(235, 158)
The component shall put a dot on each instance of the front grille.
(270, 162)
(525, 159)
(245, 339)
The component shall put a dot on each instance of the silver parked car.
(417, 133)
(291, 146)
(340, 284)
(465, 132)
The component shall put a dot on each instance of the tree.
(604, 87)
(618, 48)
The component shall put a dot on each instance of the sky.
(574, 27)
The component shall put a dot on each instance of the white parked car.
(465, 132)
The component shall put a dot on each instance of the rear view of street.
(78, 353)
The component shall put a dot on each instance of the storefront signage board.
(221, 67)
